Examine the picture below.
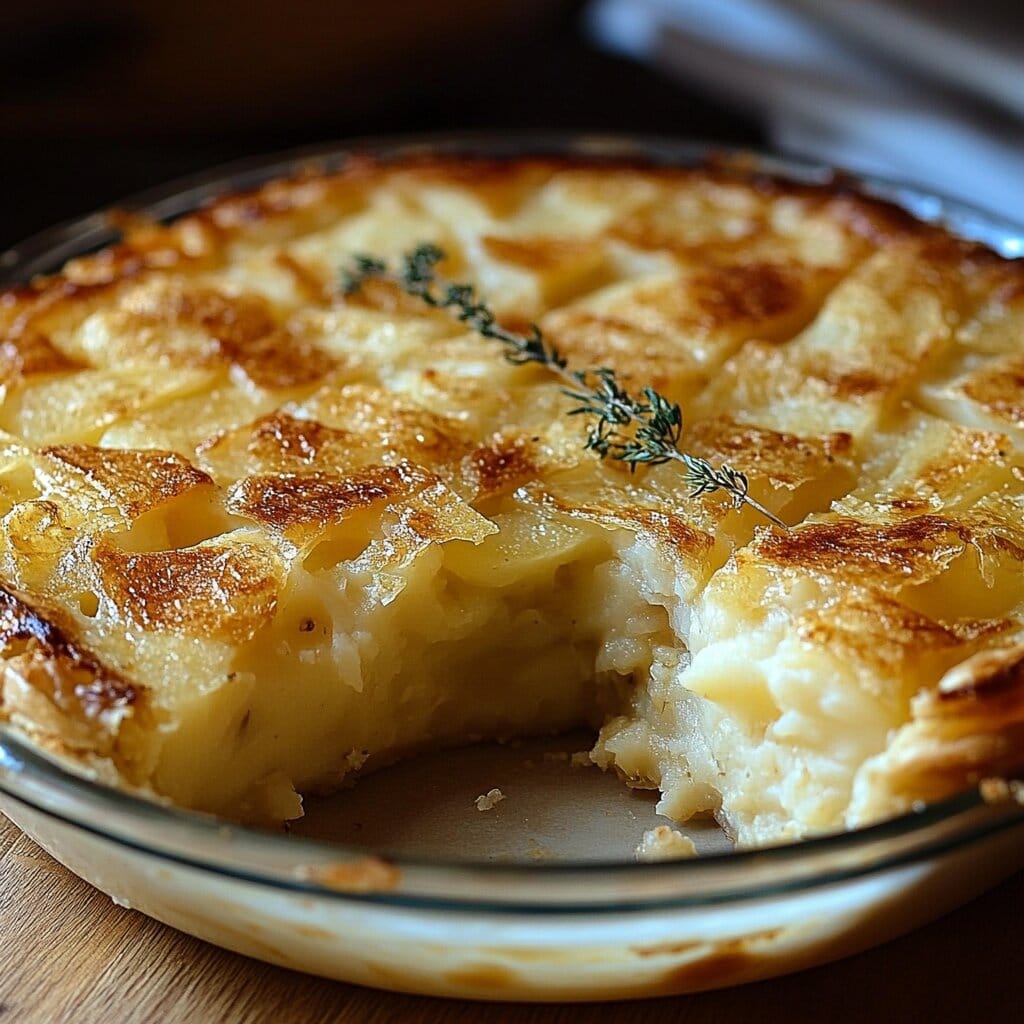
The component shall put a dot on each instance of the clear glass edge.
(291, 863)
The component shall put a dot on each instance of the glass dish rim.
(31, 777)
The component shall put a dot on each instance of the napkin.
(926, 91)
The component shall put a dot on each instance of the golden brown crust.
(500, 467)
(871, 628)
(988, 676)
(968, 731)
(135, 481)
(41, 650)
(226, 592)
(28, 352)
(283, 501)
(535, 253)
(786, 459)
(671, 529)
(911, 548)
(222, 330)
(1000, 390)
(746, 292)
(281, 437)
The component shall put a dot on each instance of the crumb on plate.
(487, 800)
(665, 843)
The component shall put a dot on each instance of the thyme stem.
(655, 423)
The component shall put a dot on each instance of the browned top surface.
(134, 480)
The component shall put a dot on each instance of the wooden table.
(68, 954)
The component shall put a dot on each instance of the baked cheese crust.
(258, 535)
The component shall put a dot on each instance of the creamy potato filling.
(472, 643)
(544, 626)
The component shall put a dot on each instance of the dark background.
(102, 99)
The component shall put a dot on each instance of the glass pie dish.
(416, 917)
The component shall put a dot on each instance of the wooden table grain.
(67, 953)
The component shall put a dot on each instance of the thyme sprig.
(642, 430)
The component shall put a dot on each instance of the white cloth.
(926, 91)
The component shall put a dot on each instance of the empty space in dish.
(552, 808)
